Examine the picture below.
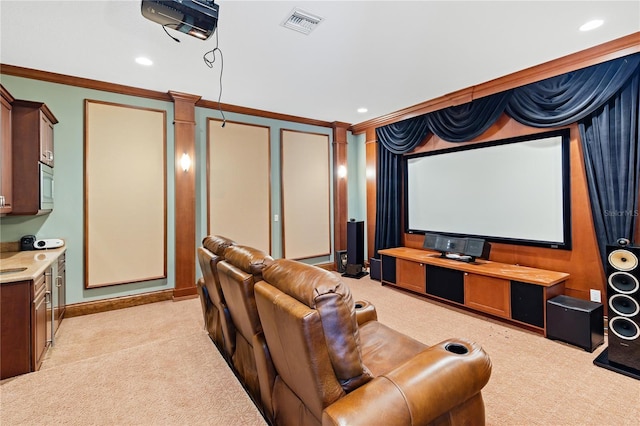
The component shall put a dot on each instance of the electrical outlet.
(595, 296)
(276, 218)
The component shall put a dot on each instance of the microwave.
(46, 187)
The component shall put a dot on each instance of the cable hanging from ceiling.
(210, 59)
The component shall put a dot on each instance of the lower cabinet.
(512, 292)
(30, 313)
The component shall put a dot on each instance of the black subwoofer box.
(374, 268)
(575, 321)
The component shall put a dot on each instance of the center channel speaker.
(623, 298)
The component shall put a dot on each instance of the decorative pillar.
(185, 194)
(340, 205)
(371, 152)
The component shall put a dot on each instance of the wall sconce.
(185, 162)
(342, 171)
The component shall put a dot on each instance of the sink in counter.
(4, 271)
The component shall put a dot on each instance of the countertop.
(34, 262)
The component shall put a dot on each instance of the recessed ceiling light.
(591, 25)
(144, 61)
(362, 110)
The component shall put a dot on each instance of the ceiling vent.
(301, 21)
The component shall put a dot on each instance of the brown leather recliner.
(332, 368)
(217, 319)
(238, 272)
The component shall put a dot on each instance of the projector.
(48, 243)
(198, 18)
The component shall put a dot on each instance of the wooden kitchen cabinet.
(25, 317)
(15, 328)
(32, 146)
(6, 160)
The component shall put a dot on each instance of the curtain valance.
(577, 96)
(556, 101)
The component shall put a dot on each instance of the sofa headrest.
(248, 259)
(217, 244)
(325, 292)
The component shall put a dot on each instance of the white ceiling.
(382, 55)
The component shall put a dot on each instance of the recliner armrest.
(432, 383)
(365, 312)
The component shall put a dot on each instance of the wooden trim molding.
(262, 113)
(94, 307)
(82, 82)
(185, 194)
(605, 52)
(340, 187)
(149, 94)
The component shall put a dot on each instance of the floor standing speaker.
(355, 249)
(623, 298)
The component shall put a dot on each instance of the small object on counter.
(27, 242)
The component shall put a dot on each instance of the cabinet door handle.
(1, 200)
(59, 281)
(49, 155)
(47, 297)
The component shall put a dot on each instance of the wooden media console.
(515, 293)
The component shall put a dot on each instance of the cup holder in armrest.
(365, 311)
(456, 348)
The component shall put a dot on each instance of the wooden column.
(340, 192)
(185, 194)
(371, 152)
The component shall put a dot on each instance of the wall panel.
(239, 193)
(125, 194)
(305, 194)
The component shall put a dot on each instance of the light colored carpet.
(147, 365)
(154, 365)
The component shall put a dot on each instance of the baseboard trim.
(86, 308)
(327, 266)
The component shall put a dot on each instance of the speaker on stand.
(623, 298)
(355, 250)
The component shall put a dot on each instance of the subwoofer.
(623, 300)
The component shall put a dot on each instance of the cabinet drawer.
(410, 275)
(39, 285)
(487, 294)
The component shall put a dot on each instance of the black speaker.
(576, 321)
(374, 268)
(355, 243)
(341, 261)
(623, 299)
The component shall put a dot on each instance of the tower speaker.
(355, 242)
(355, 249)
(623, 299)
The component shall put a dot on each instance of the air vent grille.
(301, 21)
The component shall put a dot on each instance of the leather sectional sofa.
(308, 354)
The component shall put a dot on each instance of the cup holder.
(359, 305)
(456, 348)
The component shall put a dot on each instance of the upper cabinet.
(32, 139)
(6, 199)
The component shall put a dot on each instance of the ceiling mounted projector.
(198, 18)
